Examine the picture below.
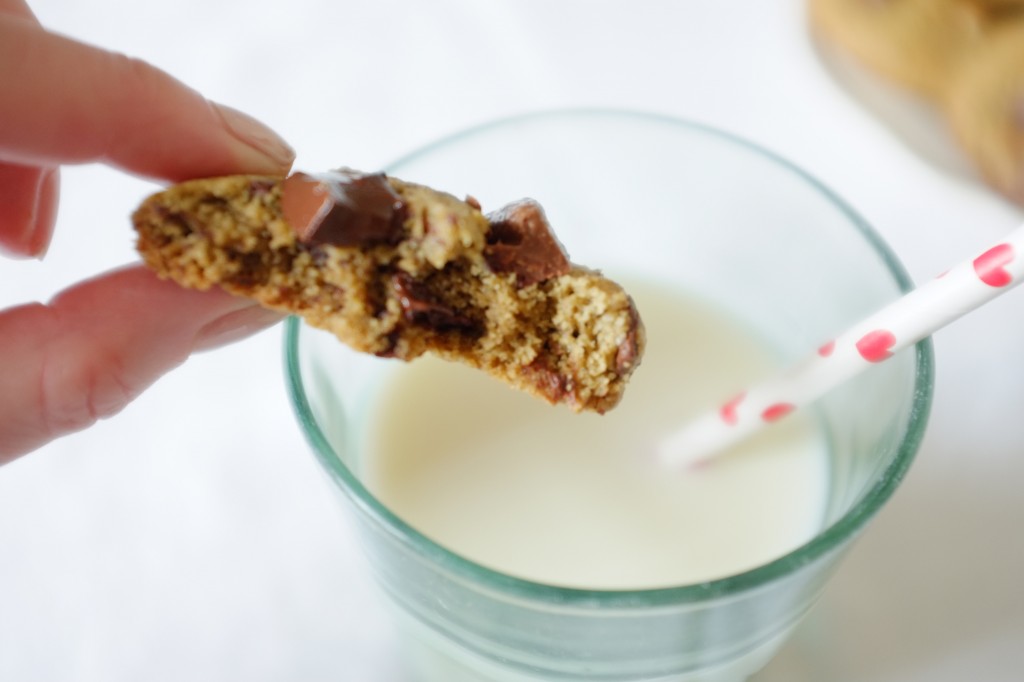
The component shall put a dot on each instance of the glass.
(701, 211)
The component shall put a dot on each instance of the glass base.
(429, 657)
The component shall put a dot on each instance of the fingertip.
(259, 149)
(28, 209)
(235, 326)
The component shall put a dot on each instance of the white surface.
(193, 537)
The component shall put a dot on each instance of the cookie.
(998, 10)
(916, 43)
(985, 106)
(398, 269)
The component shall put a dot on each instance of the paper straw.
(900, 324)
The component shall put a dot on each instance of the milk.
(540, 493)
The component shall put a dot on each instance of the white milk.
(577, 500)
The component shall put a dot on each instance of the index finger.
(67, 102)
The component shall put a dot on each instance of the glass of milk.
(519, 542)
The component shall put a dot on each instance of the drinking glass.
(699, 211)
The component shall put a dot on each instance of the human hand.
(97, 345)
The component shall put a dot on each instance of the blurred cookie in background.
(998, 9)
(916, 43)
(962, 58)
(985, 104)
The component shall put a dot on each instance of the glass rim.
(825, 541)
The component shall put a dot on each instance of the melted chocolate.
(520, 241)
(421, 308)
(343, 208)
(554, 386)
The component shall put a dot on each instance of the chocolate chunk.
(626, 358)
(421, 308)
(343, 208)
(553, 386)
(520, 241)
(178, 220)
(390, 345)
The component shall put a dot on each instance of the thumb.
(96, 346)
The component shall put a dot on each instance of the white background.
(193, 536)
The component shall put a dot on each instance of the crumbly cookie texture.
(967, 56)
(398, 269)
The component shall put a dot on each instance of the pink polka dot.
(728, 411)
(874, 346)
(777, 411)
(989, 266)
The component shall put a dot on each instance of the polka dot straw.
(875, 339)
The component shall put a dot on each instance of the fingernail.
(234, 326)
(34, 208)
(45, 214)
(260, 146)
